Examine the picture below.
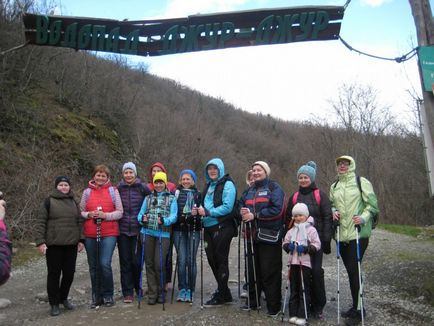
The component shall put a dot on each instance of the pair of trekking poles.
(338, 256)
(142, 261)
(248, 239)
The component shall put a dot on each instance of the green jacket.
(346, 198)
(61, 223)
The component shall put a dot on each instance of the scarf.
(300, 230)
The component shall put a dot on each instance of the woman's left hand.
(80, 247)
(248, 217)
(357, 220)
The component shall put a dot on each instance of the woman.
(101, 207)
(57, 236)
(132, 192)
(186, 235)
(158, 213)
(319, 207)
(218, 211)
(261, 213)
(353, 209)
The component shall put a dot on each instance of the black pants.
(268, 269)
(318, 299)
(348, 252)
(217, 244)
(296, 300)
(61, 268)
(130, 251)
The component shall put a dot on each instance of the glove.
(285, 247)
(311, 249)
(326, 247)
(291, 247)
(302, 249)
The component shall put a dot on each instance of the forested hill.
(64, 111)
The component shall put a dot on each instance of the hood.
(220, 166)
(352, 167)
(58, 194)
(160, 165)
(92, 184)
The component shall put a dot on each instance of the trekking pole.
(302, 288)
(239, 261)
(97, 269)
(360, 273)
(246, 265)
(338, 256)
(286, 291)
(192, 259)
(176, 267)
(160, 242)
(201, 262)
(255, 279)
(142, 261)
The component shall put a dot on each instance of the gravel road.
(395, 267)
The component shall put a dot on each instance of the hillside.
(62, 112)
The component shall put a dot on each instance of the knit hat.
(60, 179)
(263, 165)
(300, 209)
(190, 172)
(160, 176)
(131, 166)
(309, 169)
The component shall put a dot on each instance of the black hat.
(60, 179)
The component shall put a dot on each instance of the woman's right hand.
(145, 218)
(336, 215)
(42, 248)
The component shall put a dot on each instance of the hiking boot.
(109, 302)
(215, 301)
(55, 311)
(228, 298)
(152, 301)
(68, 305)
(128, 299)
(95, 303)
(350, 312)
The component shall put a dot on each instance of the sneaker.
(350, 312)
(273, 314)
(293, 320)
(355, 318)
(246, 307)
(55, 311)
(95, 303)
(301, 321)
(228, 298)
(181, 296)
(188, 296)
(215, 301)
(109, 302)
(128, 299)
(68, 305)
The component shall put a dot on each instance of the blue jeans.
(186, 256)
(102, 284)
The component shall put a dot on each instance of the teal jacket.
(228, 197)
(346, 198)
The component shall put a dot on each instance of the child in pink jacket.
(300, 241)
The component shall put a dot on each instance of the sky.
(294, 81)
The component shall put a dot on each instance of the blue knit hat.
(190, 172)
(308, 169)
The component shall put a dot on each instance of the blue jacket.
(228, 197)
(265, 199)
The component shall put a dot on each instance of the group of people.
(147, 220)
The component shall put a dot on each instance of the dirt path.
(394, 265)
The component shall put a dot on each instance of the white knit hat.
(263, 165)
(300, 209)
(131, 166)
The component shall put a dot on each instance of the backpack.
(316, 193)
(359, 185)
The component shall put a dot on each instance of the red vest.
(101, 197)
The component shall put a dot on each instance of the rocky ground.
(398, 273)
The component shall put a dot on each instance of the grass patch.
(23, 252)
(409, 230)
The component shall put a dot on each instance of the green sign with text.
(192, 33)
(426, 59)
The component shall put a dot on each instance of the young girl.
(300, 242)
(186, 235)
(158, 212)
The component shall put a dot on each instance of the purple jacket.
(5, 254)
(132, 198)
